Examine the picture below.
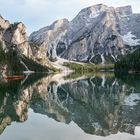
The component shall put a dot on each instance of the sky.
(36, 14)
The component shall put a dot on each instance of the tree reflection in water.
(100, 105)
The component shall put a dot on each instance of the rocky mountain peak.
(19, 33)
(15, 34)
(45, 33)
(125, 10)
(4, 23)
(48, 38)
(98, 7)
(58, 23)
(15, 51)
(98, 34)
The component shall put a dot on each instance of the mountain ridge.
(15, 51)
(98, 34)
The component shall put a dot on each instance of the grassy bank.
(87, 69)
(82, 68)
(75, 75)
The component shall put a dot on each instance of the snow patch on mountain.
(94, 14)
(130, 39)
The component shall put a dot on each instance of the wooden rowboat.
(14, 77)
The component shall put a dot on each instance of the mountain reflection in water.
(100, 105)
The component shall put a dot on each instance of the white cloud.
(38, 13)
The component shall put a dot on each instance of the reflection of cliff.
(13, 104)
(14, 100)
(99, 105)
(130, 79)
(95, 104)
(45, 101)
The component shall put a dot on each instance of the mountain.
(15, 52)
(45, 40)
(98, 34)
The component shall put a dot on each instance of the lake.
(103, 106)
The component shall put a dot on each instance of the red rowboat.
(14, 77)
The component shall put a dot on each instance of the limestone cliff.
(98, 34)
(47, 38)
(15, 51)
